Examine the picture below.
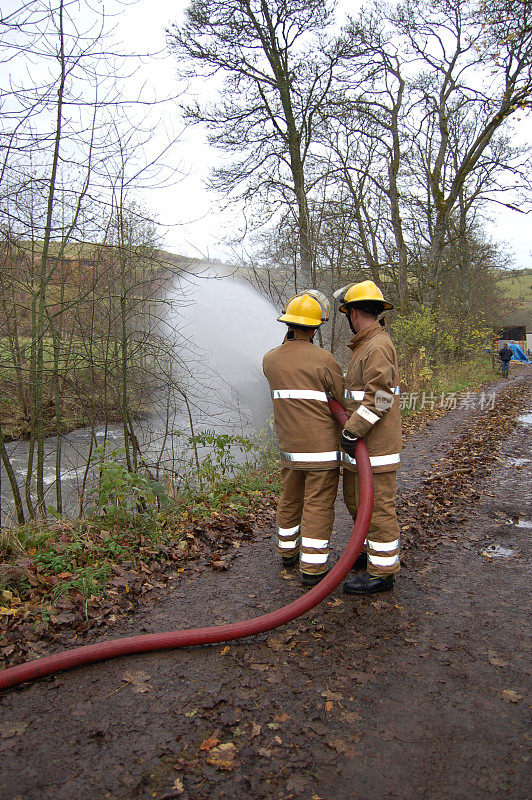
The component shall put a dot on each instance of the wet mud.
(415, 693)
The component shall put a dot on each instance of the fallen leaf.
(177, 786)
(511, 696)
(331, 695)
(276, 642)
(222, 757)
(225, 650)
(9, 729)
(255, 730)
(351, 717)
(138, 680)
(498, 662)
(329, 705)
(338, 745)
(335, 603)
(281, 717)
(219, 565)
(208, 744)
(287, 575)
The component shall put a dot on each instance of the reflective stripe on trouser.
(305, 516)
(383, 536)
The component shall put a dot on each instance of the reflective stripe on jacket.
(301, 375)
(372, 398)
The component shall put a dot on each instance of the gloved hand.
(348, 443)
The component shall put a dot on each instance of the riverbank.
(76, 412)
(62, 578)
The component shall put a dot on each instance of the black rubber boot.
(361, 562)
(290, 561)
(311, 580)
(364, 583)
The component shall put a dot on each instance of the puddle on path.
(520, 523)
(518, 462)
(496, 551)
(526, 419)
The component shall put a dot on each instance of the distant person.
(301, 375)
(505, 354)
(372, 401)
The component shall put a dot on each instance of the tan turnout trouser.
(305, 516)
(383, 537)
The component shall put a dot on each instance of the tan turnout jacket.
(301, 375)
(372, 398)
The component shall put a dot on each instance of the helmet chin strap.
(349, 321)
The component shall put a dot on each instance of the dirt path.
(417, 693)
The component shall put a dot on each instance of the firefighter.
(372, 400)
(301, 375)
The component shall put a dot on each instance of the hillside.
(516, 285)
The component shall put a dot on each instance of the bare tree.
(277, 64)
(416, 136)
(465, 95)
(64, 120)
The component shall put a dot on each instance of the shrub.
(124, 496)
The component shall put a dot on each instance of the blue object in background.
(517, 353)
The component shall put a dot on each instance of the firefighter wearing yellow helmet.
(309, 309)
(301, 376)
(372, 400)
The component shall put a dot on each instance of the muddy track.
(417, 693)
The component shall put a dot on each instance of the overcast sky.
(201, 228)
(192, 222)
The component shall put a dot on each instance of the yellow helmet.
(308, 309)
(361, 293)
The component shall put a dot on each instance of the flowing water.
(219, 329)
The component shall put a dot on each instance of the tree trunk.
(43, 282)
(12, 478)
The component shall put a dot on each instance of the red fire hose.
(221, 633)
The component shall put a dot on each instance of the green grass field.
(516, 285)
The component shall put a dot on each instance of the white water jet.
(222, 327)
